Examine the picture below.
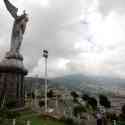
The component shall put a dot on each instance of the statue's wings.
(11, 8)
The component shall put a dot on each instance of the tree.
(50, 94)
(78, 110)
(41, 103)
(33, 95)
(104, 101)
(92, 102)
(85, 97)
(74, 95)
(29, 94)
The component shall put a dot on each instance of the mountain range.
(86, 83)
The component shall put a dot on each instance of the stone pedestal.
(12, 73)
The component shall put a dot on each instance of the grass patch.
(40, 121)
(36, 120)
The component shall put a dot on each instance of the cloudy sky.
(82, 36)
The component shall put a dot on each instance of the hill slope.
(89, 82)
(80, 82)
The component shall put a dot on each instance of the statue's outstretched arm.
(11, 8)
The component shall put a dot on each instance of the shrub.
(12, 114)
(123, 109)
(41, 103)
(9, 122)
(122, 117)
(20, 122)
(69, 121)
(111, 116)
(11, 103)
(5, 122)
(7, 114)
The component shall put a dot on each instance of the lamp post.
(45, 55)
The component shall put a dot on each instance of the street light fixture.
(45, 55)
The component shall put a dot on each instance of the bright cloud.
(100, 54)
(59, 66)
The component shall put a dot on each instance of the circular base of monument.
(12, 69)
(14, 55)
(13, 66)
(12, 74)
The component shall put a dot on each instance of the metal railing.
(118, 122)
(15, 122)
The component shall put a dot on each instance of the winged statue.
(12, 9)
(19, 26)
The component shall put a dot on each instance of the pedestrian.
(99, 118)
(104, 119)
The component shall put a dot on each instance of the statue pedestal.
(12, 73)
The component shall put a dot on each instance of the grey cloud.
(57, 28)
(106, 6)
(45, 31)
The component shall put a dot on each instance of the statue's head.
(24, 17)
(24, 11)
